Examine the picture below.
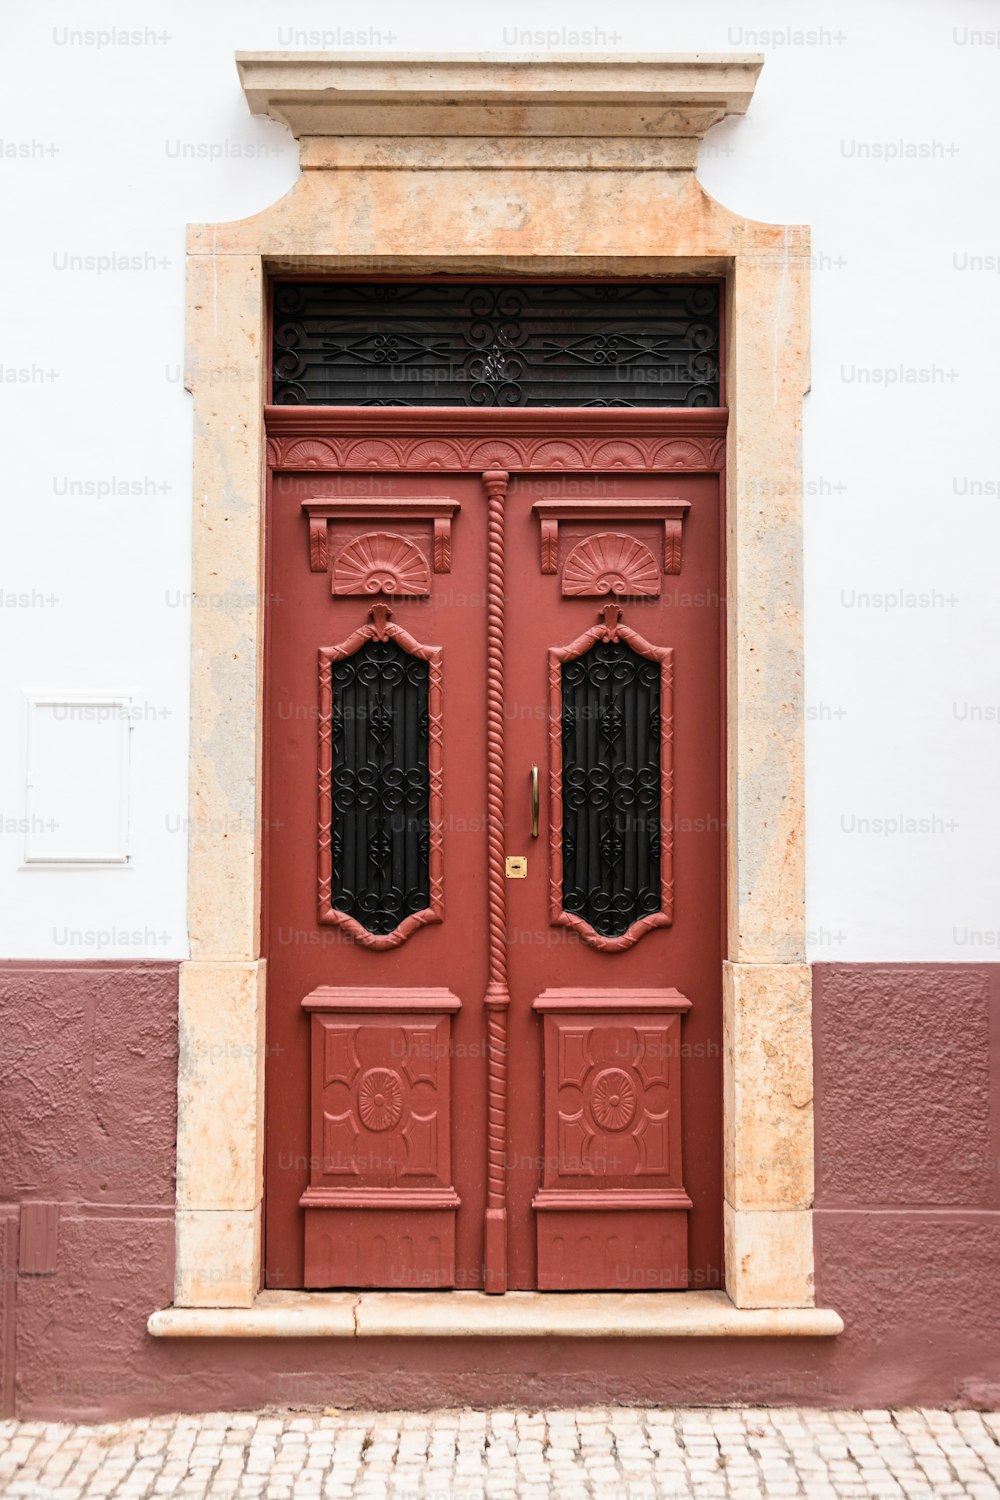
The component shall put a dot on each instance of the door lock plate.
(516, 866)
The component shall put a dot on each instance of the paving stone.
(607, 1453)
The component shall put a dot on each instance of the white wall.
(123, 144)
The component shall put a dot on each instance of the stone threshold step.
(473, 1314)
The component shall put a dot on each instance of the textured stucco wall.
(907, 1224)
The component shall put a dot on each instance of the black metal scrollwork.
(527, 344)
(380, 833)
(611, 787)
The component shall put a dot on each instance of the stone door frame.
(567, 167)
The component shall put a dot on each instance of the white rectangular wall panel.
(77, 784)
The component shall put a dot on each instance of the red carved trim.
(317, 544)
(666, 423)
(322, 1197)
(610, 1199)
(550, 545)
(381, 629)
(624, 1000)
(380, 1164)
(672, 546)
(442, 544)
(669, 508)
(336, 998)
(497, 998)
(612, 630)
(610, 563)
(520, 455)
(315, 437)
(437, 509)
(381, 562)
(612, 1110)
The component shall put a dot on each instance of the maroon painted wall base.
(907, 1224)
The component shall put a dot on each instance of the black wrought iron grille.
(460, 344)
(611, 787)
(380, 835)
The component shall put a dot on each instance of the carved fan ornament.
(381, 562)
(610, 563)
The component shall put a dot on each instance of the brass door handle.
(534, 802)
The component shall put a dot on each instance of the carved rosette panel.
(611, 749)
(610, 563)
(382, 1105)
(381, 562)
(614, 1111)
(380, 784)
(380, 1206)
(612, 1204)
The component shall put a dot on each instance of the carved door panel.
(615, 939)
(375, 880)
(480, 1035)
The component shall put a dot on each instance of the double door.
(493, 897)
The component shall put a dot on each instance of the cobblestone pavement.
(616, 1454)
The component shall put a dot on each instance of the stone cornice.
(361, 110)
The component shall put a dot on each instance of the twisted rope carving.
(497, 998)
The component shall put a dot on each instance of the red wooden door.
(494, 1054)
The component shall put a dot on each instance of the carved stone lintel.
(523, 103)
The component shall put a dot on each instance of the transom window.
(510, 344)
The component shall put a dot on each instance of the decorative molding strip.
(322, 511)
(396, 153)
(572, 112)
(514, 423)
(335, 997)
(497, 998)
(309, 438)
(658, 1001)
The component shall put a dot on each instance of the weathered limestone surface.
(398, 179)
